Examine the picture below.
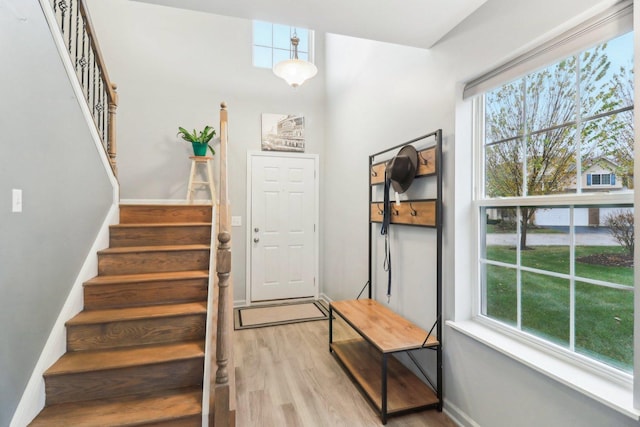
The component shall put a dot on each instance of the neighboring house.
(592, 217)
(600, 175)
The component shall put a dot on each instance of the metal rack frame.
(439, 215)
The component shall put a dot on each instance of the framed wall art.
(283, 132)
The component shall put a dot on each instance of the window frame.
(310, 39)
(610, 176)
(480, 201)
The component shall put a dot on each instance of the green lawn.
(604, 316)
(511, 228)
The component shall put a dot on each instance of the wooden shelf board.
(387, 331)
(424, 212)
(405, 391)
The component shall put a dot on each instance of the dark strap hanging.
(384, 230)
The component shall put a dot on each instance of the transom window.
(555, 264)
(272, 43)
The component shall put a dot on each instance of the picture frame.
(283, 132)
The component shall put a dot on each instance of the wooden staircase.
(135, 354)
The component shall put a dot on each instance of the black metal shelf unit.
(425, 170)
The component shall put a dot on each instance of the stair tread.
(162, 224)
(184, 204)
(147, 277)
(124, 411)
(163, 213)
(97, 360)
(164, 248)
(133, 313)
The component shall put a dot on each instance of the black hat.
(402, 168)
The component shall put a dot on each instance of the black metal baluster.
(99, 107)
(55, 6)
(105, 116)
(76, 59)
(105, 108)
(107, 125)
(63, 9)
(83, 61)
(93, 87)
(103, 105)
(69, 31)
(89, 69)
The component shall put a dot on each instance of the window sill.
(611, 393)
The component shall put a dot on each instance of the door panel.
(283, 212)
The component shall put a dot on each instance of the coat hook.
(413, 211)
(380, 211)
(423, 160)
(373, 172)
(395, 211)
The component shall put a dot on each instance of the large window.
(556, 256)
(272, 43)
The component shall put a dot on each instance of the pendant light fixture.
(295, 71)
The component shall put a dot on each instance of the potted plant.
(199, 141)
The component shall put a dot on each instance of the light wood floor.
(285, 376)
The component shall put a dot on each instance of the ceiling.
(418, 23)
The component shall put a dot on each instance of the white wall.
(173, 67)
(379, 95)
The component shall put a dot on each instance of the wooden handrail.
(222, 388)
(80, 39)
(95, 46)
(109, 87)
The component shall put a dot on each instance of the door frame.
(316, 241)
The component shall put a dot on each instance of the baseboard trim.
(325, 298)
(458, 416)
(33, 398)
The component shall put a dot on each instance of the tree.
(618, 131)
(531, 129)
(620, 225)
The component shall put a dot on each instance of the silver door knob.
(256, 229)
(256, 240)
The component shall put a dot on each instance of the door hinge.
(314, 282)
(314, 228)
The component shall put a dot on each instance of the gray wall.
(173, 67)
(45, 150)
(399, 93)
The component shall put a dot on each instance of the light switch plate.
(236, 221)
(16, 200)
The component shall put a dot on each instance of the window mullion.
(525, 130)
(273, 52)
(572, 281)
(518, 270)
(578, 135)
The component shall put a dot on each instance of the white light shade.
(295, 71)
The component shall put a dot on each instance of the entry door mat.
(281, 314)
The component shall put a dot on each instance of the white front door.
(282, 228)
